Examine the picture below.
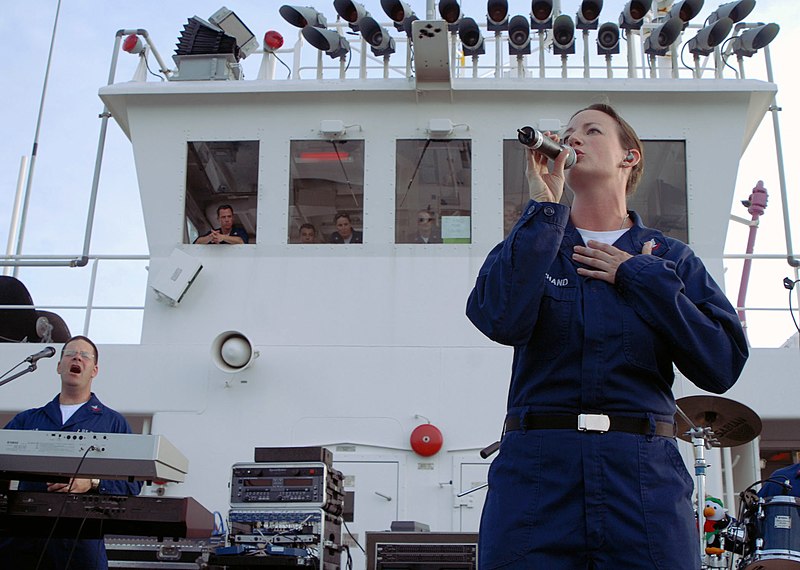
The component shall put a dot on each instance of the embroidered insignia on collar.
(95, 408)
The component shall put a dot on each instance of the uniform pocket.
(553, 322)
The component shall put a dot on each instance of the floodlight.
(302, 16)
(470, 35)
(664, 36)
(519, 36)
(232, 25)
(450, 12)
(752, 40)
(736, 11)
(398, 11)
(608, 39)
(496, 15)
(351, 12)
(326, 40)
(541, 14)
(633, 13)
(686, 10)
(381, 43)
(203, 38)
(710, 37)
(588, 14)
(563, 35)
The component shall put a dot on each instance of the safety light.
(273, 41)
(133, 44)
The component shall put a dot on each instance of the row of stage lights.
(717, 27)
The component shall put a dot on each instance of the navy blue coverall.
(89, 554)
(569, 499)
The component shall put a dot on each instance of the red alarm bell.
(426, 440)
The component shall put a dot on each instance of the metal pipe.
(755, 205)
(790, 258)
(34, 151)
(12, 227)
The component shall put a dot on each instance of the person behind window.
(308, 233)
(344, 230)
(427, 232)
(599, 309)
(74, 409)
(511, 214)
(226, 232)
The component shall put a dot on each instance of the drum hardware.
(707, 422)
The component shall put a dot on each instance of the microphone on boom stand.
(46, 352)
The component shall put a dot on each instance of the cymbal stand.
(702, 439)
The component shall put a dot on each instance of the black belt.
(599, 423)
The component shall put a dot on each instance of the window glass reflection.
(326, 192)
(433, 191)
(221, 192)
(660, 198)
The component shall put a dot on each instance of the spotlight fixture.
(397, 11)
(381, 43)
(608, 39)
(450, 12)
(736, 11)
(541, 14)
(326, 40)
(686, 10)
(203, 38)
(351, 12)
(233, 26)
(519, 36)
(470, 35)
(497, 15)
(563, 35)
(710, 37)
(633, 14)
(663, 37)
(752, 40)
(301, 17)
(407, 24)
(588, 14)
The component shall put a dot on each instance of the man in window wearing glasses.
(76, 408)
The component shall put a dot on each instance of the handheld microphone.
(44, 353)
(536, 140)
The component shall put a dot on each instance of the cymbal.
(732, 423)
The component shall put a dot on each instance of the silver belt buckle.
(594, 422)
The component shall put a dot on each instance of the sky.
(68, 144)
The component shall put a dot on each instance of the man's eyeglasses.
(82, 353)
(422, 220)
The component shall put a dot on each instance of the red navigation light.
(273, 41)
(132, 44)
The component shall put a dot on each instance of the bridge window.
(221, 173)
(660, 198)
(433, 201)
(326, 192)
